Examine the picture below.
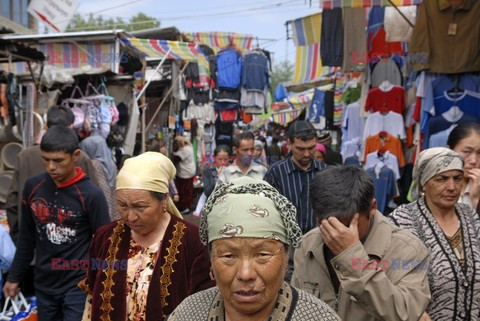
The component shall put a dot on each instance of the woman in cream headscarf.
(249, 226)
(144, 265)
(449, 230)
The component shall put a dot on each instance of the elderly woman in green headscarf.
(249, 227)
(450, 231)
(142, 266)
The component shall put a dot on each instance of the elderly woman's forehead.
(450, 173)
(134, 195)
(246, 242)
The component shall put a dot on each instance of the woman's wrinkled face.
(141, 211)
(249, 273)
(443, 190)
(469, 148)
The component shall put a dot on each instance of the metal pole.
(144, 109)
(156, 70)
(165, 98)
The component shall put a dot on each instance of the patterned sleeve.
(402, 217)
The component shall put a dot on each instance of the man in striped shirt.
(292, 176)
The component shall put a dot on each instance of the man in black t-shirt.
(61, 210)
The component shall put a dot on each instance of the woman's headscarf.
(321, 148)
(431, 162)
(96, 148)
(150, 171)
(247, 207)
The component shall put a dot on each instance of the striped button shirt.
(294, 183)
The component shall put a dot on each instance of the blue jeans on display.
(67, 306)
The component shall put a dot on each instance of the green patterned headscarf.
(247, 207)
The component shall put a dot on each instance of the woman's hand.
(176, 198)
(474, 182)
(425, 317)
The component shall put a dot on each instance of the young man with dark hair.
(243, 147)
(61, 209)
(355, 259)
(293, 175)
(29, 164)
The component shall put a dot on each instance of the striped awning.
(219, 40)
(187, 51)
(285, 117)
(154, 48)
(332, 4)
(307, 30)
(308, 64)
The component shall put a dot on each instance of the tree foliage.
(282, 72)
(92, 22)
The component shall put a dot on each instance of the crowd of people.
(286, 231)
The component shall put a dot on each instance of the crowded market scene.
(280, 160)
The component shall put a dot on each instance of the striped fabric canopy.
(187, 51)
(220, 40)
(331, 4)
(307, 30)
(308, 64)
(285, 117)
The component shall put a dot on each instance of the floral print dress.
(141, 262)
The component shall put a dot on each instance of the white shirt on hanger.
(391, 122)
(390, 160)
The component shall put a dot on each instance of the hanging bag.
(21, 309)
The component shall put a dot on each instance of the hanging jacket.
(255, 71)
(229, 69)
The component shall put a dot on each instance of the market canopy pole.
(165, 98)
(153, 75)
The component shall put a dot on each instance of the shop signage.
(55, 14)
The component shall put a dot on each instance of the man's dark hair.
(59, 139)
(60, 116)
(302, 130)
(242, 136)
(341, 191)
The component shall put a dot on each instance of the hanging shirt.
(390, 122)
(393, 100)
(440, 123)
(452, 32)
(396, 27)
(317, 107)
(385, 186)
(390, 160)
(386, 69)
(351, 147)
(390, 143)
(255, 71)
(439, 85)
(440, 139)
(229, 69)
(331, 44)
(467, 101)
(353, 124)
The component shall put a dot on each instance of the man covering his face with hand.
(351, 260)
